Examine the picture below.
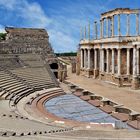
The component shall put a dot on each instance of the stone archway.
(54, 67)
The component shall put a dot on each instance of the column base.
(135, 83)
(120, 84)
(89, 73)
(96, 74)
(118, 79)
(101, 75)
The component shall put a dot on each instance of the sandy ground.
(126, 96)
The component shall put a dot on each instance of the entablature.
(119, 11)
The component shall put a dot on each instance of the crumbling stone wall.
(26, 40)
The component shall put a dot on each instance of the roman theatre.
(112, 53)
(43, 96)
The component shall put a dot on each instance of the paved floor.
(126, 96)
(71, 107)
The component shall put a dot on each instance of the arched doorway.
(54, 67)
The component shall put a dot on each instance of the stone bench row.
(35, 78)
(32, 133)
(10, 86)
(14, 116)
(116, 110)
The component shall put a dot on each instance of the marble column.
(134, 61)
(137, 24)
(128, 61)
(119, 29)
(119, 61)
(82, 58)
(81, 34)
(112, 26)
(95, 59)
(95, 27)
(85, 58)
(138, 61)
(128, 25)
(113, 61)
(107, 52)
(85, 33)
(88, 58)
(102, 60)
(107, 24)
(101, 29)
(89, 31)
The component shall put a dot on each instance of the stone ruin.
(112, 57)
(31, 40)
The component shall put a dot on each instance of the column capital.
(107, 48)
(128, 48)
(112, 48)
(89, 48)
(101, 48)
(119, 48)
(135, 46)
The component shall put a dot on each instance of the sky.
(62, 19)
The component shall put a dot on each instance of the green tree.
(2, 36)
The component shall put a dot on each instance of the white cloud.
(63, 26)
(9, 4)
(2, 29)
(64, 42)
(31, 13)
